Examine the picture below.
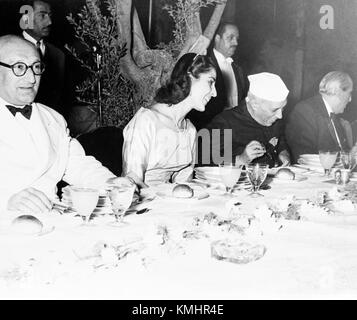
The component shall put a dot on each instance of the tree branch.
(215, 19)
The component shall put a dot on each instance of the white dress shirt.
(225, 64)
(34, 41)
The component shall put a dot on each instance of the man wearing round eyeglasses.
(36, 151)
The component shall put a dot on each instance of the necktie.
(25, 111)
(38, 45)
(341, 136)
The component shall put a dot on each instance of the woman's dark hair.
(179, 85)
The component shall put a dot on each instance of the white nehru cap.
(268, 86)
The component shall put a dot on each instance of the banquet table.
(305, 259)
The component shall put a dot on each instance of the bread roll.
(27, 224)
(285, 174)
(182, 191)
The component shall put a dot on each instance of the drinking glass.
(348, 160)
(121, 198)
(257, 173)
(327, 160)
(84, 201)
(229, 174)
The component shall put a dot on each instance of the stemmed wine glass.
(257, 173)
(121, 198)
(327, 160)
(84, 201)
(230, 174)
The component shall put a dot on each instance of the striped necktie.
(38, 45)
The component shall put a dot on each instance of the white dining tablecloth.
(305, 259)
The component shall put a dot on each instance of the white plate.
(298, 178)
(309, 155)
(212, 170)
(208, 176)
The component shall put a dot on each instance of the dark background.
(268, 39)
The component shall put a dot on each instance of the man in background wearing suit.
(55, 89)
(231, 83)
(315, 123)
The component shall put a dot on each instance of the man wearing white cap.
(257, 131)
(315, 123)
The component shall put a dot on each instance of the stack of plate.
(312, 160)
(211, 175)
(103, 206)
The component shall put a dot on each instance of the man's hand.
(254, 149)
(29, 200)
(284, 158)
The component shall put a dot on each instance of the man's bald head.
(9, 41)
(18, 90)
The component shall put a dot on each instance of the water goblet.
(327, 160)
(84, 201)
(121, 198)
(230, 173)
(257, 173)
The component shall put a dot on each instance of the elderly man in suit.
(36, 150)
(231, 83)
(255, 126)
(315, 124)
(57, 88)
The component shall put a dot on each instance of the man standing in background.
(231, 83)
(55, 88)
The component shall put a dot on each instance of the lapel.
(46, 142)
(348, 130)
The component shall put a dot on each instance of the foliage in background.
(182, 12)
(97, 30)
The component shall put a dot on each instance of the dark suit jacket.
(244, 129)
(219, 103)
(55, 89)
(309, 129)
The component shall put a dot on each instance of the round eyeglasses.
(20, 68)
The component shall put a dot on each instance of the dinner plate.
(213, 175)
(212, 170)
(208, 176)
(309, 156)
(298, 178)
(312, 162)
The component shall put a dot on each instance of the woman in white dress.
(159, 142)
